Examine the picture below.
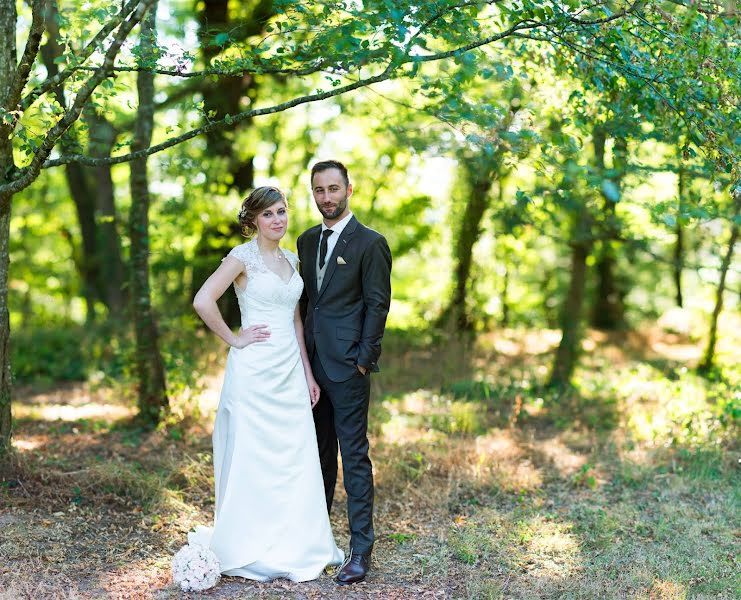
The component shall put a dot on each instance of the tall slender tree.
(91, 189)
(608, 311)
(8, 82)
(708, 359)
(152, 395)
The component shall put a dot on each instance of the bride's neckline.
(280, 256)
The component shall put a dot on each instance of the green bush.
(53, 354)
(105, 353)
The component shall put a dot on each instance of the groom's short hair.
(325, 165)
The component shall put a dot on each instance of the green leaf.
(610, 190)
(221, 39)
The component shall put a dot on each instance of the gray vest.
(320, 272)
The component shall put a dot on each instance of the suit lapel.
(312, 239)
(339, 250)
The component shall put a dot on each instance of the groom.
(346, 269)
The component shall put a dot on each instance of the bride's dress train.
(271, 515)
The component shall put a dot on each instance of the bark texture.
(569, 346)
(152, 393)
(608, 310)
(709, 358)
(12, 81)
(678, 265)
(229, 95)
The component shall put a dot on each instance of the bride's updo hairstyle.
(260, 199)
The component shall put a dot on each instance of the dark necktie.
(323, 247)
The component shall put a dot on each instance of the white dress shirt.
(337, 230)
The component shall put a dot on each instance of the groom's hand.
(362, 370)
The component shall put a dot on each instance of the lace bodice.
(266, 298)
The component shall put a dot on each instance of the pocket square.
(341, 261)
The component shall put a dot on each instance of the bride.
(271, 514)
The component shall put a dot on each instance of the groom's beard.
(333, 213)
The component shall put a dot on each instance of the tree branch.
(619, 14)
(25, 175)
(30, 52)
(220, 124)
(322, 64)
(82, 56)
(721, 10)
(232, 119)
(29, 174)
(519, 26)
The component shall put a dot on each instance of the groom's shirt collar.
(338, 227)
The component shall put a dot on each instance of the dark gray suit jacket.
(344, 321)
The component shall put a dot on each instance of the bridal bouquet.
(195, 567)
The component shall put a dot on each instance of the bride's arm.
(204, 304)
(314, 390)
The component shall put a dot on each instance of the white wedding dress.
(271, 515)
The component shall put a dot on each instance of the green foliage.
(103, 356)
(468, 542)
(402, 538)
(49, 355)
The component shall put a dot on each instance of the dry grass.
(625, 487)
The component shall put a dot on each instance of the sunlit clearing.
(511, 342)
(657, 408)
(678, 352)
(497, 446)
(407, 423)
(669, 590)
(66, 412)
(24, 445)
(551, 548)
(506, 347)
(500, 460)
(561, 456)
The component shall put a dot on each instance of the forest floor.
(626, 486)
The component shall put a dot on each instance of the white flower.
(195, 567)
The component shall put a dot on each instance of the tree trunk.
(225, 97)
(227, 94)
(5, 373)
(150, 369)
(608, 311)
(709, 358)
(481, 181)
(100, 265)
(8, 60)
(568, 349)
(504, 321)
(679, 245)
(85, 208)
(79, 188)
(112, 276)
(211, 248)
(504, 257)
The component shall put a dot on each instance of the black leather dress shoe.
(354, 569)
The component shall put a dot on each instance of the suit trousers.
(342, 416)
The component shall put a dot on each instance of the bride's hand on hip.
(256, 333)
(314, 391)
